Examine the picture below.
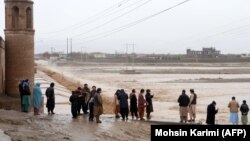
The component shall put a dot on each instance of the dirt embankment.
(73, 85)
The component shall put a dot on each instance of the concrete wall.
(2, 66)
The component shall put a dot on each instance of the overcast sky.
(108, 25)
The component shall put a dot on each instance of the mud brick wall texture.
(2, 66)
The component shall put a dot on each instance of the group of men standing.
(187, 104)
(84, 99)
(137, 105)
(234, 107)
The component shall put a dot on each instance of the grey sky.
(224, 24)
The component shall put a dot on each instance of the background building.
(205, 52)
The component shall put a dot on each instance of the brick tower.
(19, 44)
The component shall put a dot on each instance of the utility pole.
(132, 53)
(127, 56)
(51, 50)
(86, 54)
(67, 48)
(133, 56)
(52, 54)
(71, 55)
(81, 54)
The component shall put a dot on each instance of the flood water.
(165, 87)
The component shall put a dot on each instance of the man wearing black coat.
(183, 103)
(74, 104)
(149, 107)
(244, 112)
(50, 98)
(133, 104)
(123, 98)
(211, 111)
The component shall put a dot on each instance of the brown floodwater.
(165, 87)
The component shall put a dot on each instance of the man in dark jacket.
(80, 100)
(183, 103)
(211, 111)
(50, 98)
(74, 104)
(123, 98)
(133, 104)
(149, 107)
(244, 112)
(20, 87)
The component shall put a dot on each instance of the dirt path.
(26, 127)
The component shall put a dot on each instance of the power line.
(236, 29)
(114, 12)
(105, 15)
(94, 17)
(187, 39)
(113, 19)
(108, 33)
(216, 34)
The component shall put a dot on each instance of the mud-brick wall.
(2, 66)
